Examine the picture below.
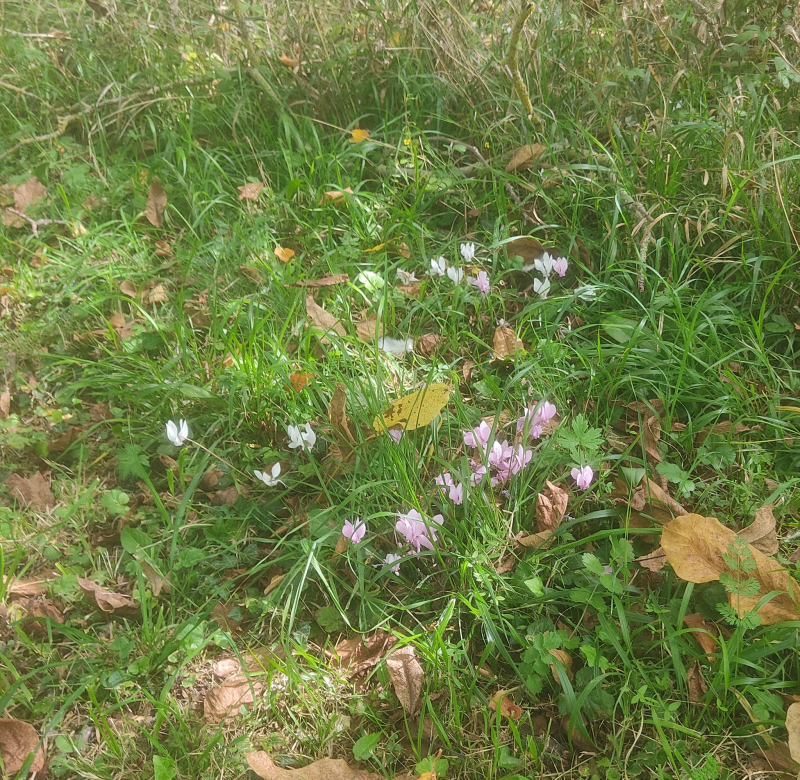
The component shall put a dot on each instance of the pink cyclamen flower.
(520, 459)
(560, 265)
(481, 281)
(454, 490)
(478, 437)
(412, 528)
(354, 531)
(478, 472)
(391, 561)
(538, 418)
(583, 476)
(396, 435)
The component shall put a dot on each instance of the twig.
(512, 59)
(63, 123)
(36, 223)
(21, 91)
(640, 213)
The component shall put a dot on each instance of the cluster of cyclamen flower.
(546, 265)
(439, 267)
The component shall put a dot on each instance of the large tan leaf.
(251, 191)
(325, 769)
(224, 700)
(551, 507)
(696, 547)
(414, 410)
(406, 674)
(322, 319)
(18, 740)
(524, 158)
(360, 654)
(156, 203)
(526, 247)
(793, 727)
(106, 600)
(33, 491)
(338, 413)
(28, 194)
(761, 532)
(505, 343)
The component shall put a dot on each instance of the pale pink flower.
(538, 417)
(457, 494)
(583, 476)
(560, 265)
(468, 252)
(391, 560)
(520, 459)
(454, 490)
(354, 532)
(406, 277)
(478, 472)
(412, 528)
(396, 435)
(481, 281)
(478, 437)
(455, 275)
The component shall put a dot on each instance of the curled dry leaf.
(337, 414)
(697, 548)
(427, 344)
(283, 253)
(406, 675)
(106, 600)
(706, 633)
(210, 479)
(156, 203)
(33, 491)
(251, 190)
(324, 769)
(654, 561)
(5, 404)
(224, 700)
(370, 329)
(793, 727)
(414, 410)
(336, 196)
(155, 579)
(551, 506)
(290, 61)
(505, 343)
(360, 655)
(121, 327)
(563, 658)
(325, 281)
(509, 709)
(651, 435)
(128, 288)
(412, 289)
(541, 539)
(299, 380)
(28, 588)
(18, 740)
(322, 320)
(273, 583)
(358, 134)
(761, 532)
(696, 684)
(524, 158)
(230, 495)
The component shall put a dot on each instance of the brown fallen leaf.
(28, 194)
(337, 414)
(427, 344)
(697, 548)
(505, 343)
(369, 329)
(565, 659)
(647, 498)
(18, 740)
(507, 708)
(65, 440)
(724, 428)
(524, 158)
(551, 506)
(696, 684)
(283, 253)
(761, 532)
(163, 249)
(325, 281)
(224, 700)
(526, 247)
(121, 327)
(323, 320)
(324, 769)
(251, 273)
(360, 654)
(273, 583)
(412, 289)
(14, 587)
(5, 404)
(128, 288)
(406, 675)
(299, 380)
(651, 435)
(156, 203)
(400, 248)
(153, 293)
(106, 600)
(33, 491)
(156, 581)
(706, 633)
(793, 727)
(289, 61)
(251, 190)
(336, 196)
(654, 561)
(358, 134)
(541, 539)
(210, 479)
(230, 495)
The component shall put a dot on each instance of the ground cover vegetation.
(399, 390)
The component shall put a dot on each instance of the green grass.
(628, 105)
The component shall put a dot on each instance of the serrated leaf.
(132, 462)
(414, 410)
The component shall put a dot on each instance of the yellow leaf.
(284, 254)
(358, 135)
(376, 248)
(414, 410)
(793, 727)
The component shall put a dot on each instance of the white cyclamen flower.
(306, 438)
(541, 286)
(438, 266)
(178, 434)
(395, 346)
(468, 252)
(270, 480)
(405, 277)
(455, 275)
(544, 264)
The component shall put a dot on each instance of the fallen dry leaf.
(18, 740)
(724, 428)
(156, 203)
(5, 404)
(28, 194)
(324, 769)
(113, 603)
(337, 414)
(128, 288)
(427, 344)
(696, 684)
(551, 506)
(154, 293)
(697, 547)
(705, 635)
(289, 61)
(793, 727)
(33, 491)
(508, 708)
(526, 247)
(230, 495)
(156, 581)
(273, 583)
(358, 134)
(412, 289)
(299, 380)
(284, 254)
(325, 281)
(251, 190)
(370, 329)
(651, 435)
(406, 675)
(761, 532)
(362, 654)
(23, 587)
(252, 273)
(414, 410)
(654, 561)
(541, 539)
(224, 700)
(505, 343)
(210, 479)
(336, 196)
(121, 327)
(524, 158)
(323, 320)
(163, 249)
(565, 659)
(401, 248)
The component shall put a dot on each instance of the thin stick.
(512, 59)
